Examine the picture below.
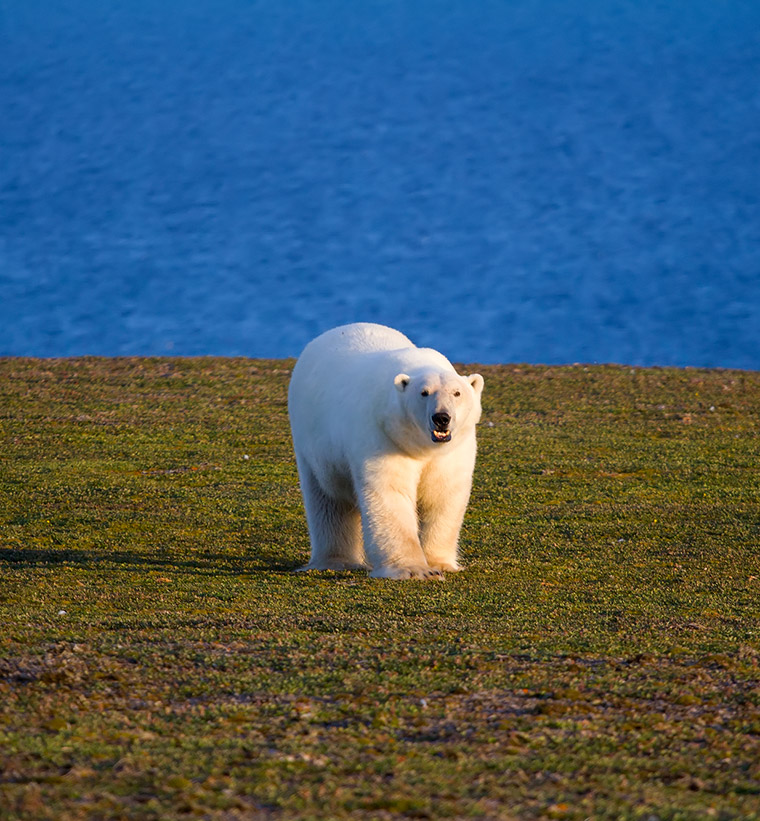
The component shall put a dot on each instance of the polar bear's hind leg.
(334, 529)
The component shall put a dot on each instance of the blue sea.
(505, 180)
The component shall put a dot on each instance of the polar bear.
(384, 437)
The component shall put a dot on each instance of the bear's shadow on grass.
(215, 564)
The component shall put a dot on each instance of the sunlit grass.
(598, 657)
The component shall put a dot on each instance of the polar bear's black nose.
(441, 420)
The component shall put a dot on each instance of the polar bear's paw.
(413, 571)
(448, 567)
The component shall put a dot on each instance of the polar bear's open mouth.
(441, 435)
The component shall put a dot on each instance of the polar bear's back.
(369, 349)
(360, 337)
(344, 368)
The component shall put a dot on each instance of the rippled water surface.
(527, 180)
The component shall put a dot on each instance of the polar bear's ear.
(476, 380)
(401, 381)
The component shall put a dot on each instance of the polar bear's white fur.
(384, 435)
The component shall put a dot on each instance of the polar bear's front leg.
(388, 501)
(440, 525)
(443, 496)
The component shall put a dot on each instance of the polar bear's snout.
(441, 420)
(441, 427)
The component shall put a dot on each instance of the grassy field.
(599, 657)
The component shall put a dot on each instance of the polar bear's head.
(438, 404)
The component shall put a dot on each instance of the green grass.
(599, 657)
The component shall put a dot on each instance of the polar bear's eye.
(457, 393)
(426, 393)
